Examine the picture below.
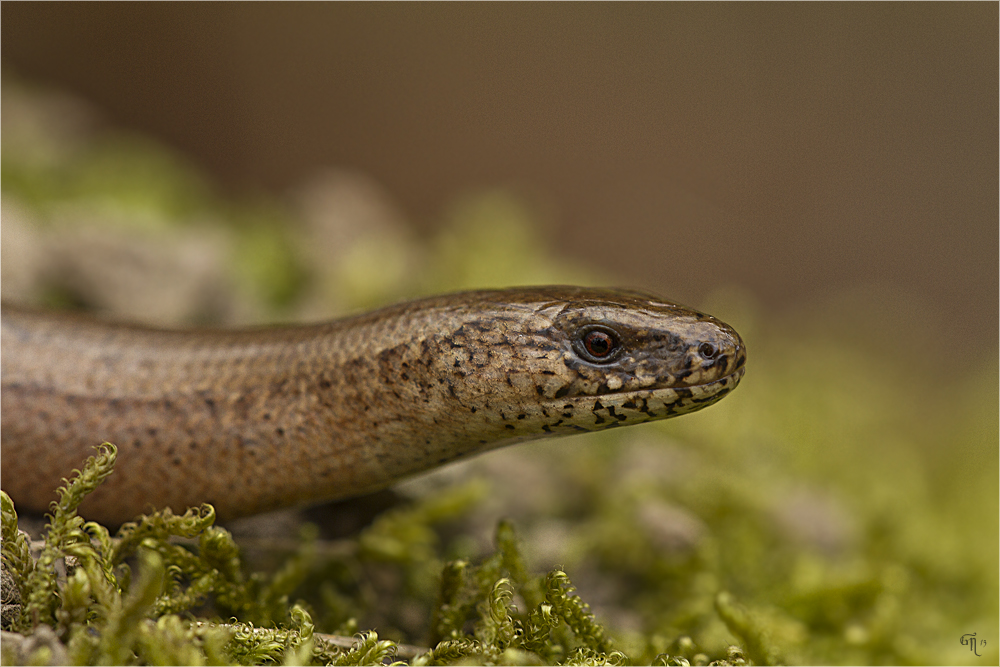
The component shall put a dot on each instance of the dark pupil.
(598, 343)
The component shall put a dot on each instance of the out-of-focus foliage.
(840, 507)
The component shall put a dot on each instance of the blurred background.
(792, 150)
(824, 177)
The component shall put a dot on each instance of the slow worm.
(258, 419)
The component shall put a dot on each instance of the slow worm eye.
(598, 344)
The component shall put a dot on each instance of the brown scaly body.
(258, 419)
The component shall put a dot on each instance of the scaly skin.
(259, 419)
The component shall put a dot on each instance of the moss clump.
(172, 589)
(100, 613)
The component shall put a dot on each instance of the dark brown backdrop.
(788, 148)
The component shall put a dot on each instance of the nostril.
(708, 350)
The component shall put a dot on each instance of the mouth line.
(736, 374)
(738, 371)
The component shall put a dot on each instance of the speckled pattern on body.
(259, 419)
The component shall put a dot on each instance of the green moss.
(104, 615)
